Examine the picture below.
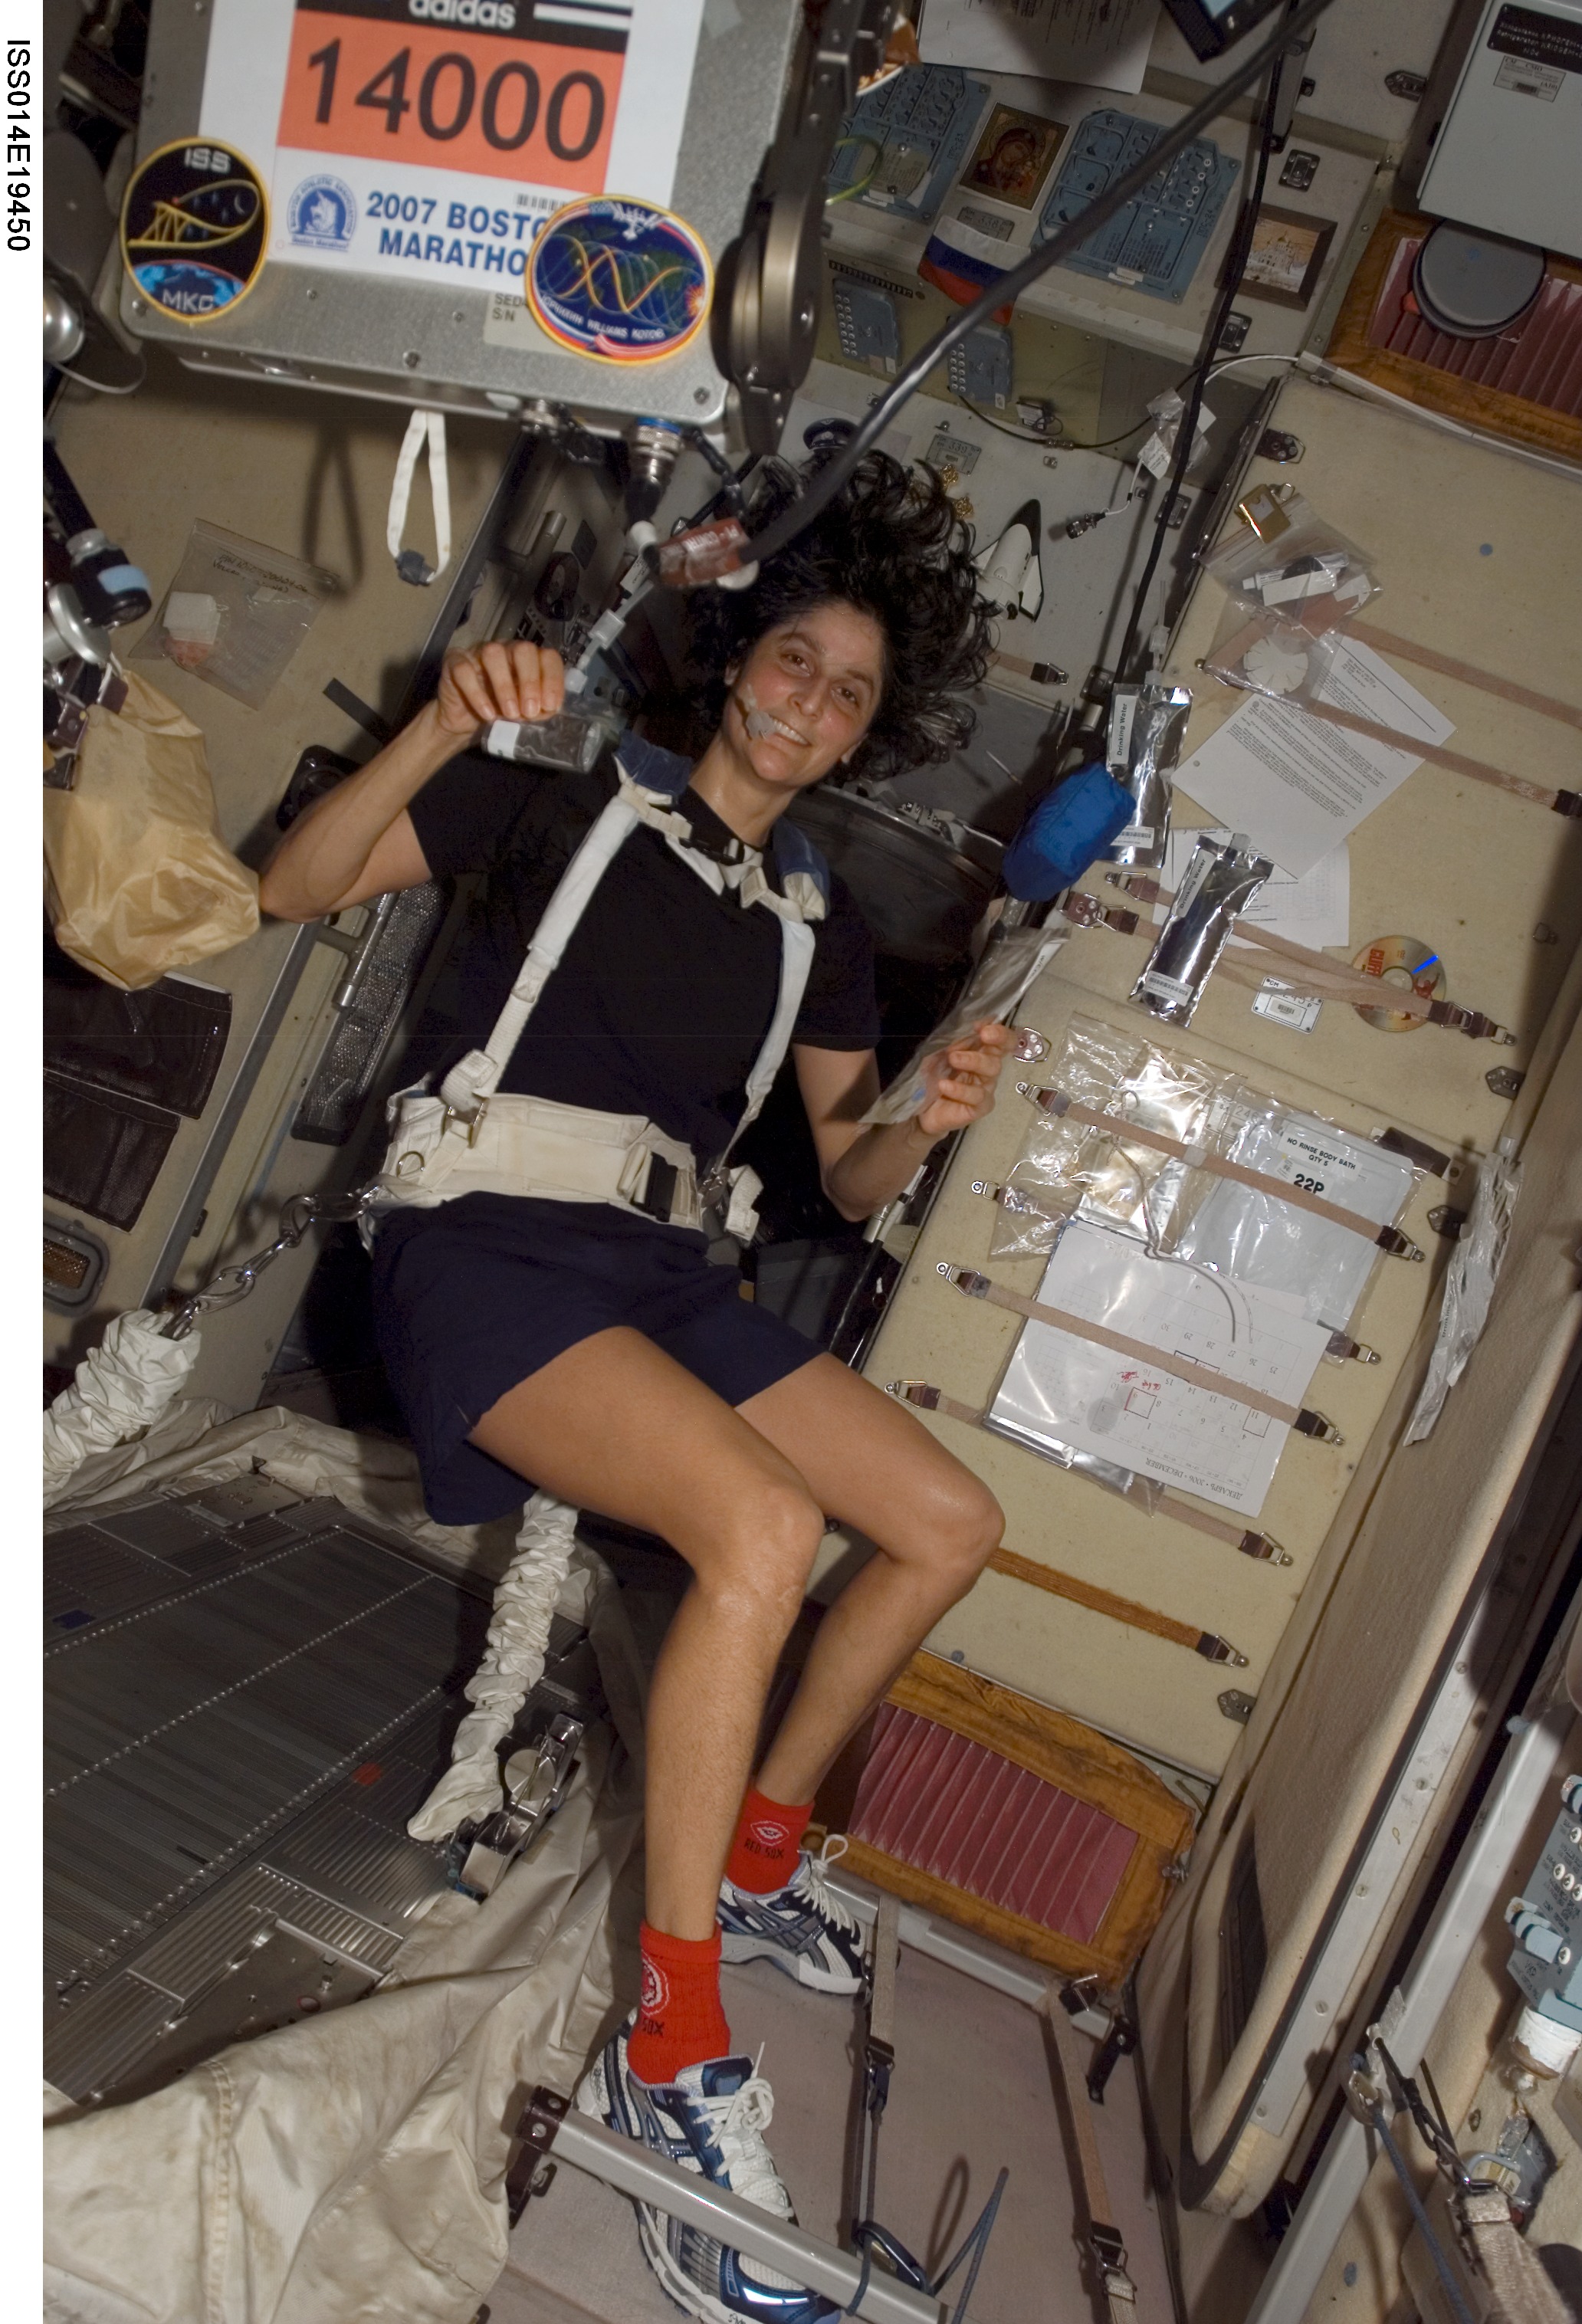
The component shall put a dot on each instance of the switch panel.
(902, 145)
(980, 369)
(866, 325)
(1547, 1923)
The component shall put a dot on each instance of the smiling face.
(815, 682)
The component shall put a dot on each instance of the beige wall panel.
(1467, 867)
(303, 473)
(1159, 1696)
(310, 475)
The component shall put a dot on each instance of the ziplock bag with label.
(1182, 1209)
(235, 612)
(1257, 1239)
(1068, 1168)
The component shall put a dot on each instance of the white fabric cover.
(512, 1662)
(121, 1387)
(350, 2167)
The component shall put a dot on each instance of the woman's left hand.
(963, 1079)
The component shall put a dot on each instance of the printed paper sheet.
(1060, 1389)
(1298, 786)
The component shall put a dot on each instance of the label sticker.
(1351, 1171)
(1281, 1006)
(1541, 38)
(619, 281)
(322, 214)
(1545, 81)
(195, 229)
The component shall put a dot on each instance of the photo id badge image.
(195, 229)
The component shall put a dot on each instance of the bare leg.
(866, 1460)
(615, 1425)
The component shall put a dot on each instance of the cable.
(859, 185)
(1070, 444)
(1187, 425)
(784, 529)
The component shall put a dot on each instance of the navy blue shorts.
(473, 1295)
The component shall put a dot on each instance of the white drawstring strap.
(423, 427)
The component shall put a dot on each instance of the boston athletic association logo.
(322, 214)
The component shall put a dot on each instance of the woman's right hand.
(519, 682)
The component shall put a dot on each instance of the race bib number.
(498, 89)
(431, 140)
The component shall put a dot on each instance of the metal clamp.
(530, 2170)
(229, 1284)
(483, 1851)
(471, 1122)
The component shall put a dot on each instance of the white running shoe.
(711, 2119)
(803, 1928)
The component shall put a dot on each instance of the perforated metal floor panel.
(245, 1697)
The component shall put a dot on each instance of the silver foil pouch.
(1221, 882)
(1142, 749)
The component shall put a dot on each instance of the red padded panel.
(951, 1808)
(1539, 357)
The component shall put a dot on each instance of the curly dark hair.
(891, 544)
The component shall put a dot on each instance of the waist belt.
(533, 1145)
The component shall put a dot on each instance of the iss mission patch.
(195, 229)
(619, 281)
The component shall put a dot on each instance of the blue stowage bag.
(1065, 833)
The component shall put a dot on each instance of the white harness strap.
(476, 1077)
(469, 1085)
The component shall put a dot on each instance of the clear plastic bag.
(1062, 1389)
(1256, 1240)
(1068, 1169)
(1291, 580)
(235, 612)
(1283, 556)
(1011, 959)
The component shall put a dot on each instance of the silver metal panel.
(186, 1732)
(188, 1955)
(86, 1572)
(161, 1526)
(337, 1928)
(382, 1872)
(102, 2034)
(245, 1497)
(414, 344)
(259, 1534)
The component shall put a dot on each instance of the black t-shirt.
(663, 995)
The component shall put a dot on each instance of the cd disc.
(1406, 962)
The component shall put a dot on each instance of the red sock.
(680, 2020)
(769, 1838)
